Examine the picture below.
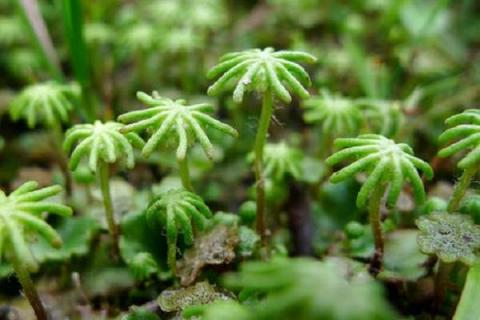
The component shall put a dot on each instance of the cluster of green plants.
(215, 159)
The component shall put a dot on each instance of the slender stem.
(441, 282)
(374, 217)
(104, 176)
(185, 174)
(460, 188)
(265, 118)
(62, 158)
(28, 288)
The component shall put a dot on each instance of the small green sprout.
(304, 288)
(48, 103)
(339, 116)
(390, 166)
(167, 118)
(452, 237)
(272, 74)
(102, 144)
(175, 210)
(264, 71)
(466, 130)
(281, 160)
(20, 215)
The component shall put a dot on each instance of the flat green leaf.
(76, 233)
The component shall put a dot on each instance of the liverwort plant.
(273, 74)
(167, 118)
(176, 210)
(466, 130)
(102, 144)
(389, 166)
(339, 116)
(21, 215)
(48, 104)
(280, 160)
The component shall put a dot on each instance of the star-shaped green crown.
(466, 129)
(21, 214)
(100, 141)
(175, 210)
(261, 70)
(387, 163)
(49, 103)
(452, 237)
(339, 116)
(166, 118)
(281, 160)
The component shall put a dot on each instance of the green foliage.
(339, 116)
(384, 117)
(468, 307)
(97, 33)
(143, 265)
(139, 37)
(167, 118)
(12, 31)
(24, 63)
(20, 215)
(262, 70)
(175, 210)
(48, 103)
(297, 288)
(77, 234)
(100, 142)
(451, 237)
(387, 162)
(471, 206)
(225, 310)
(140, 238)
(466, 129)
(281, 160)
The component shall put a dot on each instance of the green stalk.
(374, 218)
(265, 118)
(468, 308)
(185, 174)
(62, 158)
(28, 288)
(73, 20)
(104, 176)
(30, 14)
(460, 188)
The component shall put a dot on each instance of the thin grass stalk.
(30, 14)
(73, 21)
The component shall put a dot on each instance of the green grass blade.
(30, 14)
(73, 20)
(468, 308)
